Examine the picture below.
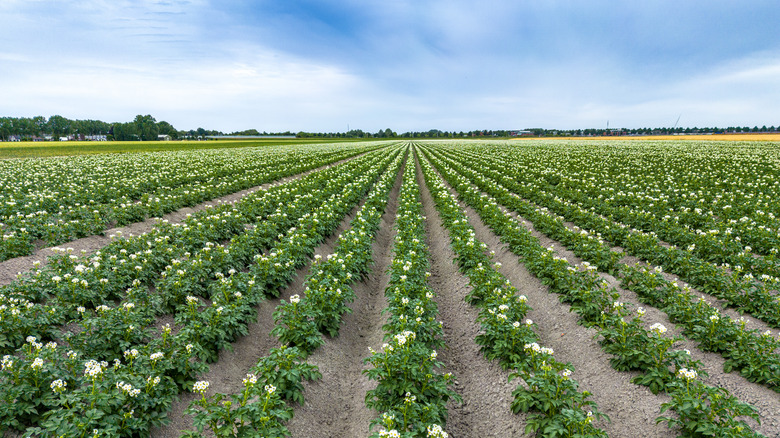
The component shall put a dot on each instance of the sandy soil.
(765, 400)
(335, 406)
(225, 376)
(483, 385)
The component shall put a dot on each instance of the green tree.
(6, 124)
(59, 126)
(165, 128)
(124, 131)
(146, 127)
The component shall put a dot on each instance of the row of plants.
(263, 406)
(701, 410)
(726, 187)
(191, 277)
(751, 352)
(321, 310)
(557, 408)
(214, 325)
(47, 297)
(587, 245)
(216, 271)
(743, 292)
(50, 391)
(39, 302)
(122, 192)
(410, 394)
(275, 268)
(754, 354)
(713, 259)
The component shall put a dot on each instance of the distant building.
(520, 133)
(164, 137)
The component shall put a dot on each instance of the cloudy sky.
(401, 64)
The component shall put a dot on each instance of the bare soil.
(483, 385)
(335, 405)
(762, 398)
(226, 374)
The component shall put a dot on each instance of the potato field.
(394, 289)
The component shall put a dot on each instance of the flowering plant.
(704, 410)
(257, 410)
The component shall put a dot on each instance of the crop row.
(700, 408)
(749, 282)
(730, 188)
(48, 297)
(262, 407)
(410, 394)
(549, 393)
(112, 398)
(46, 200)
(752, 353)
(716, 242)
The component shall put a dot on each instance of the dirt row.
(226, 374)
(335, 404)
(642, 403)
(761, 397)
(718, 303)
(483, 385)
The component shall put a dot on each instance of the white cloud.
(405, 65)
(264, 85)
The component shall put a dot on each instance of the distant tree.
(6, 125)
(247, 132)
(124, 131)
(40, 124)
(59, 126)
(165, 128)
(146, 127)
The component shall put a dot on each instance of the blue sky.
(406, 65)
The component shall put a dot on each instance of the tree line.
(146, 127)
(143, 127)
